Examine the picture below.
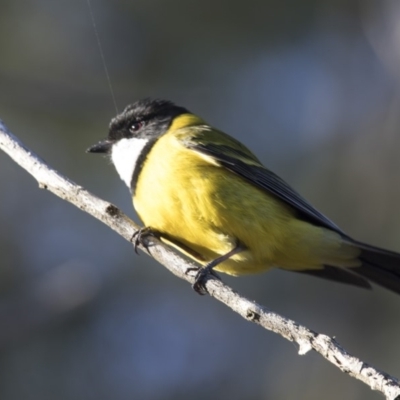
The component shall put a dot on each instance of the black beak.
(101, 147)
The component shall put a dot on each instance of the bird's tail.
(379, 266)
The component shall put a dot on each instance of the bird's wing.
(236, 158)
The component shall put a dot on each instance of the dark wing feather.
(240, 163)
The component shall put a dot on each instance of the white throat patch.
(125, 154)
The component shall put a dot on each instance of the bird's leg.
(203, 272)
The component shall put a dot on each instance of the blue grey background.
(311, 86)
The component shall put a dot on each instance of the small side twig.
(110, 215)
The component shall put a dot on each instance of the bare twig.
(109, 214)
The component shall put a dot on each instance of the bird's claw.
(201, 278)
(139, 235)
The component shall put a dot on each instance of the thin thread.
(102, 55)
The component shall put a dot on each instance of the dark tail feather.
(379, 266)
(340, 275)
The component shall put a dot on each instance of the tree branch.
(110, 215)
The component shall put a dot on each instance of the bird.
(206, 194)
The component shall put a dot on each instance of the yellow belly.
(193, 201)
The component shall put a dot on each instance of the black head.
(146, 118)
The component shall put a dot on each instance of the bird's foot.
(201, 277)
(138, 238)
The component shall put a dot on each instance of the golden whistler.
(206, 194)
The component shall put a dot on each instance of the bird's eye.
(135, 126)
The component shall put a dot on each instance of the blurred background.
(312, 86)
